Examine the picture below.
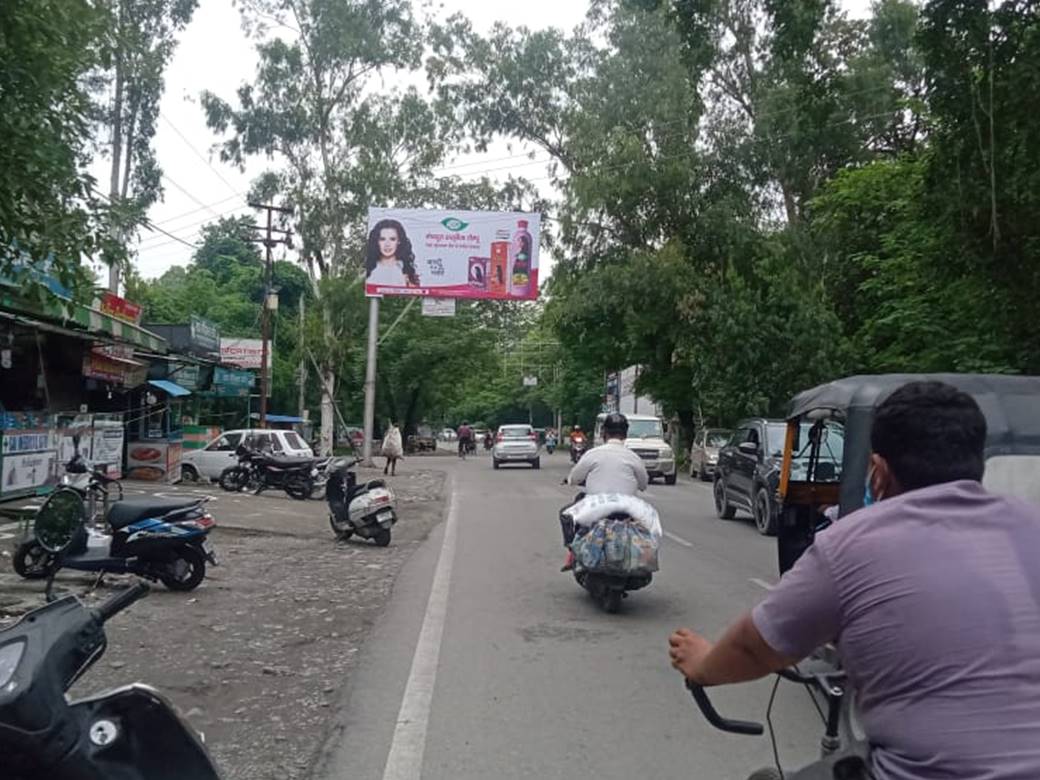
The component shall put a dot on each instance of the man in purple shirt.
(932, 595)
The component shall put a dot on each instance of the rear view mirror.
(58, 520)
(748, 447)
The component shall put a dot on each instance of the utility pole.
(270, 302)
(303, 361)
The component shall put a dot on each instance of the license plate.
(385, 517)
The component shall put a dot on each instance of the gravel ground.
(255, 657)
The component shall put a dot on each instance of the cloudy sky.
(215, 54)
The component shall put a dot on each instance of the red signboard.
(120, 308)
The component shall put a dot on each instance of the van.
(646, 439)
(208, 463)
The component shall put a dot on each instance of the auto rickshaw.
(822, 480)
(811, 479)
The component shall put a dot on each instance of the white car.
(646, 439)
(447, 434)
(211, 460)
(516, 444)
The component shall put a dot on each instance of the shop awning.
(90, 319)
(168, 387)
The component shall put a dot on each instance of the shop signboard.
(187, 376)
(107, 449)
(204, 335)
(120, 308)
(108, 366)
(26, 441)
(244, 353)
(27, 470)
(452, 254)
(146, 460)
(232, 383)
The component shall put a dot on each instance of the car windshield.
(515, 431)
(832, 450)
(294, 441)
(717, 438)
(645, 429)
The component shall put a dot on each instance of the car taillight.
(532, 436)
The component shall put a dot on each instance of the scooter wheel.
(32, 562)
(189, 578)
(382, 538)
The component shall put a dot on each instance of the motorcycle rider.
(608, 468)
(465, 434)
(930, 592)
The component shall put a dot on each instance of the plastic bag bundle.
(617, 547)
(598, 506)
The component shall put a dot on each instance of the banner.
(438, 307)
(120, 308)
(452, 254)
(204, 335)
(244, 353)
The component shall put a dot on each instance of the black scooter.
(131, 733)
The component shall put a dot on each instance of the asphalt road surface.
(490, 663)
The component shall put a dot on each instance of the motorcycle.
(578, 447)
(550, 444)
(164, 540)
(130, 733)
(604, 574)
(367, 509)
(257, 471)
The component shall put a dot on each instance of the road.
(490, 663)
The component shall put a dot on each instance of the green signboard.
(232, 382)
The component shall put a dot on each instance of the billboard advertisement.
(452, 254)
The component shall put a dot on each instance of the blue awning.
(168, 387)
(279, 418)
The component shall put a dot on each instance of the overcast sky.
(215, 54)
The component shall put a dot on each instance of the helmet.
(615, 426)
(577, 427)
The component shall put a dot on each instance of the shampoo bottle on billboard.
(520, 273)
(497, 273)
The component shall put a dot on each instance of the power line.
(149, 225)
(168, 220)
(207, 220)
(198, 154)
(192, 197)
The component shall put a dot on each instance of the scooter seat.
(128, 511)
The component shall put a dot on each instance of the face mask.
(868, 493)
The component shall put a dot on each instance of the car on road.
(748, 471)
(447, 434)
(516, 444)
(422, 440)
(646, 439)
(208, 462)
(704, 455)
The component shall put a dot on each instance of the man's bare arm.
(740, 655)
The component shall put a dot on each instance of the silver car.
(704, 456)
(516, 443)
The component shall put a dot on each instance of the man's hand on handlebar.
(687, 650)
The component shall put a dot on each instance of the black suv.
(749, 472)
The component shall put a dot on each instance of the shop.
(67, 372)
(156, 437)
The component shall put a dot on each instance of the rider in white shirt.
(608, 468)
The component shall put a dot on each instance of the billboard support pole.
(370, 379)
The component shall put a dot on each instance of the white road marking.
(405, 759)
(678, 539)
(761, 583)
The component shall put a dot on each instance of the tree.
(143, 41)
(50, 214)
(343, 146)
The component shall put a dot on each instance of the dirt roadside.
(256, 657)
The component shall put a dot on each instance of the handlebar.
(110, 607)
(712, 715)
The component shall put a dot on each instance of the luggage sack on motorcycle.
(616, 547)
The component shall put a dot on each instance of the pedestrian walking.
(392, 449)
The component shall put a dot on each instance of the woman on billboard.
(389, 259)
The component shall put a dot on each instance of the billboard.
(452, 254)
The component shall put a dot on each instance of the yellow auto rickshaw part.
(793, 427)
(812, 494)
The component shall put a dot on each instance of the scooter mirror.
(58, 520)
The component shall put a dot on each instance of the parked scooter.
(163, 540)
(367, 509)
(130, 733)
(258, 470)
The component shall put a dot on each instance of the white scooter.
(367, 509)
